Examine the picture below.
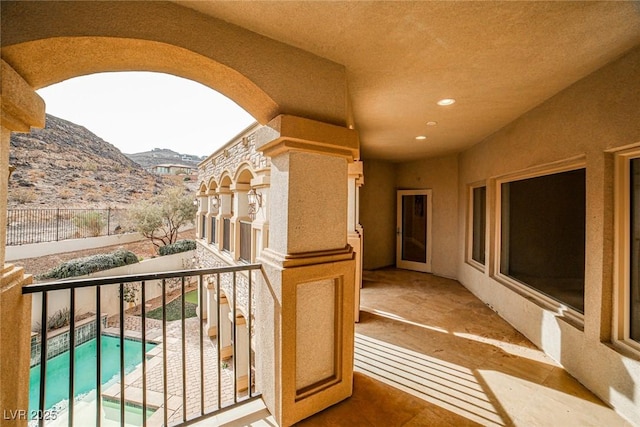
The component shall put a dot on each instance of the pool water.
(57, 385)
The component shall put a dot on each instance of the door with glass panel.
(413, 230)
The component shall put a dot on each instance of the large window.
(543, 234)
(478, 223)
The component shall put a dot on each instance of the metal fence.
(188, 376)
(49, 225)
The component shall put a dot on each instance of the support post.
(21, 108)
(305, 306)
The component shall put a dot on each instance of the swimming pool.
(57, 385)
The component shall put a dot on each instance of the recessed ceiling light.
(432, 123)
(446, 101)
(421, 137)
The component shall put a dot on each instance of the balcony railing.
(187, 376)
(245, 241)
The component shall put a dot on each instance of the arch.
(225, 181)
(202, 189)
(213, 187)
(244, 173)
(47, 42)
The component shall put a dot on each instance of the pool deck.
(154, 367)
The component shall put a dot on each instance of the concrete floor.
(429, 353)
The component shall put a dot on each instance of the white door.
(413, 232)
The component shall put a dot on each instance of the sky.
(140, 111)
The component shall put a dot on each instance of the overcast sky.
(139, 111)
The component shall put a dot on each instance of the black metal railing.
(49, 225)
(226, 234)
(213, 230)
(184, 336)
(245, 241)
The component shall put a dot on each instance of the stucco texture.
(598, 113)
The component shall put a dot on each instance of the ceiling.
(497, 59)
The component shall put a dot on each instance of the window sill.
(475, 264)
(626, 348)
(561, 311)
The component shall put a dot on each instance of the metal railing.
(187, 338)
(49, 225)
(245, 241)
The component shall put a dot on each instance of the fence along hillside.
(26, 226)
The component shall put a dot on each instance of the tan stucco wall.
(47, 42)
(440, 175)
(600, 112)
(378, 214)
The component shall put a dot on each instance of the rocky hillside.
(66, 165)
(160, 156)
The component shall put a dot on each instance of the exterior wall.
(599, 113)
(440, 175)
(378, 214)
(48, 248)
(110, 295)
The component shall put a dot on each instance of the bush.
(92, 222)
(177, 247)
(90, 264)
(23, 195)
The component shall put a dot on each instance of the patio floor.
(429, 353)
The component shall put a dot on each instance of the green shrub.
(93, 222)
(177, 247)
(90, 264)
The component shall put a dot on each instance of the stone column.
(21, 108)
(225, 212)
(305, 303)
(240, 213)
(212, 308)
(203, 206)
(242, 353)
(354, 229)
(260, 225)
(224, 328)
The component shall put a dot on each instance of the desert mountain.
(160, 156)
(66, 165)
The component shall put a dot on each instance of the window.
(478, 223)
(634, 261)
(245, 241)
(226, 234)
(542, 230)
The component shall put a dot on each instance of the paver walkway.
(155, 372)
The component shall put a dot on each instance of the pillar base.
(313, 359)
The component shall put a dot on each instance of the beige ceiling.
(497, 59)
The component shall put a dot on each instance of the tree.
(160, 217)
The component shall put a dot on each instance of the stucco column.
(260, 225)
(354, 229)
(304, 306)
(240, 213)
(224, 212)
(21, 109)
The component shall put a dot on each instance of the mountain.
(161, 156)
(66, 165)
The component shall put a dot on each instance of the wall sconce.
(255, 203)
(215, 202)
